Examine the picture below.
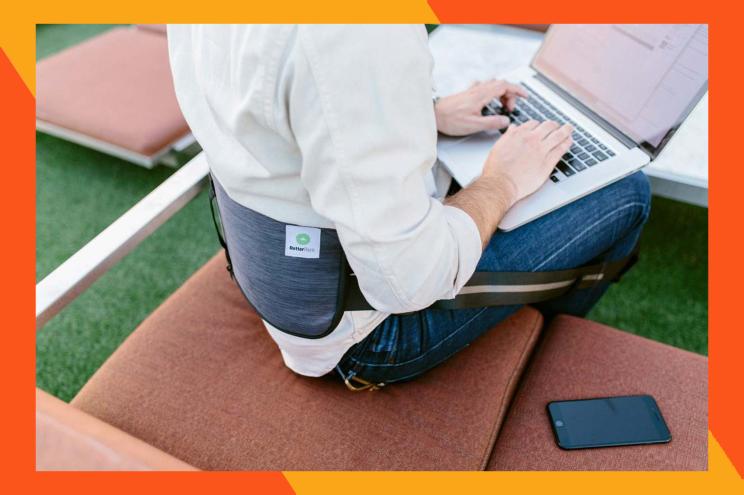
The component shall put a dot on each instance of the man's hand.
(518, 164)
(525, 155)
(460, 114)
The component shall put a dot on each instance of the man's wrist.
(486, 201)
(505, 191)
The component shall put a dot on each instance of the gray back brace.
(306, 297)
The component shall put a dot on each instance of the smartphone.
(608, 422)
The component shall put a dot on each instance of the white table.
(463, 54)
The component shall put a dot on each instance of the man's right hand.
(524, 156)
(518, 164)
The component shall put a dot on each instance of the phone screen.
(611, 421)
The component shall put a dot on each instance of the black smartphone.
(608, 422)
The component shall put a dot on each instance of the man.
(335, 127)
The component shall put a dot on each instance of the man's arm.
(518, 164)
(486, 201)
(520, 161)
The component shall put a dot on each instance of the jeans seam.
(390, 365)
(583, 232)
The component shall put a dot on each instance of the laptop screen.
(642, 78)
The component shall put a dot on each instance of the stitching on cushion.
(502, 408)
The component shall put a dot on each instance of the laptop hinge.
(623, 138)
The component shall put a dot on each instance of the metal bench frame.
(77, 273)
(60, 422)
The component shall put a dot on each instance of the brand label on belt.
(302, 242)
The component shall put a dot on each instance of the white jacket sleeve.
(361, 110)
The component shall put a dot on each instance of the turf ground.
(80, 192)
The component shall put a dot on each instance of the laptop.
(625, 89)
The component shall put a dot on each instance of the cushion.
(67, 439)
(202, 380)
(158, 28)
(580, 359)
(116, 87)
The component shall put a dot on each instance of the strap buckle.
(365, 385)
(360, 384)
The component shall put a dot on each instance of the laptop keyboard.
(586, 150)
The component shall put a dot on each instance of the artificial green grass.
(51, 38)
(80, 192)
(665, 296)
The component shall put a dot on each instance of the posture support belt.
(299, 281)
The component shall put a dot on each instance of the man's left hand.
(460, 114)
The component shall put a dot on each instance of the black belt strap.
(487, 288)
(507, 288)
(218, 225)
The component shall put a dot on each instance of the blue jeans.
(602, 226)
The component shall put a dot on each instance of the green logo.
(302, 238)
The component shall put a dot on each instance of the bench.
(200, 385)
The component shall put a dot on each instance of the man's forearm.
(486, 201)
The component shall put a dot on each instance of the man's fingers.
(517, 89)
(509, 101)
(487, 92)
(502, 87)
(503, 91)
(545, 128)
(494, 122)
(556, 153)
(493, 89)
(511, 94)
(556, 137)
(529, 125)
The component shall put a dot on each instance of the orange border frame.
(17, 63)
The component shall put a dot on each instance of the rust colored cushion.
(116, 87)
(158, 28)
(581, 359)
(202, 380)
(67, 439)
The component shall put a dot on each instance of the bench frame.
(79, 271)
(164, 156)
(61, 429)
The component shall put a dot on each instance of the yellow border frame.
(17, 39)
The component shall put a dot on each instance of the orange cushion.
(116, 87)
(67, 439)
(202, 380)
(581, 359)
(158, 28)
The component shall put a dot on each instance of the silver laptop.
(625, 88)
